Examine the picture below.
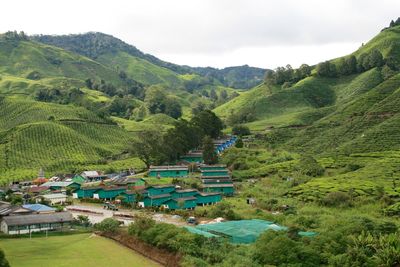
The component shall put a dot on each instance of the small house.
(130, 182)
(7, 209)
(57, 198)
(217, 180)
(220, 172)
(182, 193)
(168, 171)
(58, 186)
(193, 157)
(108, 193)
(92, 176)
(154, 190)
(154, 201)
(38, 190)
(128, 197)
(224, 189)
(39, 208)
(181, 203)
(85, 192)
(25, 224)
(213, 167)
(204, 199)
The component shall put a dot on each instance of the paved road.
(98, 214)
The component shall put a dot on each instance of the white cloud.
(263, 33)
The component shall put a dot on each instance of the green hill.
(348, 122)
(147, 68)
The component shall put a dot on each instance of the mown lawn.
(72, 250)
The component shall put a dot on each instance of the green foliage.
(279, 250)
(148, 147)
(209, 123)
(209, 154)
(3, 260)
(326, 69)
(240, 130)
(108, 225)
(239, 143)
(337, 199)
(309, 166)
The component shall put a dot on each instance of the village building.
(128, 197)
(25, 224)
(204, 199)
(91, 176)
(59, 186)
(39, 208)
(180, 203)
(38, 190)
(57, 198)
(130, 182)
(168, 171)
(154, 201)
(225, 189)
(154, 190)
(182, 193)
(85, 192)
(193, 157)
(108, 193)
(7, 209)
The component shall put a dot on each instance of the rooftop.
(166, 168)
(159, 196)
(57, 184)
(56, 217)
(217, 185)
(38, 207)
(54, 196)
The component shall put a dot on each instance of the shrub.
(108, 225)
(337, 199)
(240, 130)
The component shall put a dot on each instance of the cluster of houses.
(134, 190)
(216, 178)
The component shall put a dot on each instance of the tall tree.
(209, 154)
(148, 147)
(208, 123)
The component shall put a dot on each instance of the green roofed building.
(204, 199)
(154, 190)
(179, 193)
(154, 201)
(85, 192)
(213, 167)
(193, 157)
(221, 172)
(168, 171)
(181, 203)
(128, 197)
(224, 189)
(108, 193)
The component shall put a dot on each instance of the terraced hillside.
(56, 138)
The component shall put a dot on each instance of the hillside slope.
(356, 112)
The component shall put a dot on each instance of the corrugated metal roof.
(38, 207)
(57, 184)
(56, 217)
(218, 185)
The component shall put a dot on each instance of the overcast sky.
(216, 33)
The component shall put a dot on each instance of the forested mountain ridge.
(103, 47)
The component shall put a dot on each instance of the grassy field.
(72, 250)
